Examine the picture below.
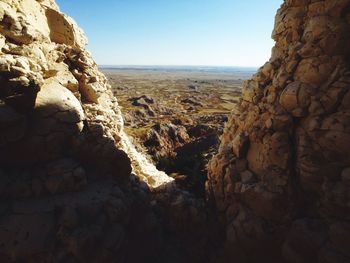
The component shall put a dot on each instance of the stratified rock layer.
(281, 179)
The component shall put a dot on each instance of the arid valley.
(176, 114)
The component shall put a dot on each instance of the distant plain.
(217, 88)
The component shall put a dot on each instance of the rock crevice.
(280, 182)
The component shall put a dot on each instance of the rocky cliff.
(280, 182)
(66, 188)
(281, 179)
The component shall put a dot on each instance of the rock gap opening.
(176, 115)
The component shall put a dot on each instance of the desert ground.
(176, 115)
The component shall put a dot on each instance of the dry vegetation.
(217, 93)
(177, 116)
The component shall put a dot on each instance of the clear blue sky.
(176, 32)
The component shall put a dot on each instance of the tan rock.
(313, 71)
(90, 91)
(25, 27)
(55, 100)
(295, 98)
(297, 118)
(64, 30)
(240, 145)
(62, 146)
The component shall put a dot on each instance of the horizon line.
(173, 65)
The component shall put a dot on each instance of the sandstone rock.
(295, 98)
(55, 100)
(165, 138)
(61, 74)
(65, 179)
(294, 112)
(89, 91)
(26, 27)
(143, 100)
(240, 145)
(191, 101)
(65, 175)
(280, 181)
(247, 177)
(64, 30)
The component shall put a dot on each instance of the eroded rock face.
(66, 190)
(280, 179)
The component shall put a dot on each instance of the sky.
(176, 32)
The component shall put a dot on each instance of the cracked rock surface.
(280, 183)
(66, 189)
(280, 179)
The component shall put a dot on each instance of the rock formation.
(66, 189)
(280, 181)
